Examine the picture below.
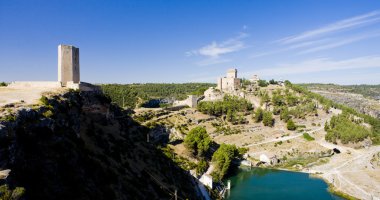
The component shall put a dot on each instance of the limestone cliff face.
(80, 146)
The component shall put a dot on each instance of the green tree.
(223, 158)
(268, 119)
(198, 141)
(264, 99)
(259, 115)
(201, 167)
(290, 125)
(284, 115)
(263, 83)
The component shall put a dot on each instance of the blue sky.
(328, 41)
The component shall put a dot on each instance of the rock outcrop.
(80, 146)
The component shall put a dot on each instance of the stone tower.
(232, 73)
(68, 64)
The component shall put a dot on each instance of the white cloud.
(342, 25)
(215, 50)
(320, 65)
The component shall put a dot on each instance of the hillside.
(363, 98)
(293, 128)
(80, 146)
(151, 94)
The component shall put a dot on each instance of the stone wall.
(191, 101)
(35, 84)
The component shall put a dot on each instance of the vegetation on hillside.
(290, 125)
(132, 95)
(346, 128)
(335, 133)
(372, 91)
(3, 84)
(198, 141)
(229, 106)
(223, 158)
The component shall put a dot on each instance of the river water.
(259, 183)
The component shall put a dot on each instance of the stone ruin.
(68, 73)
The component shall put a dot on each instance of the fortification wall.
(35, 84)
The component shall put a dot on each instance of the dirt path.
(283, 138)
(353, 175)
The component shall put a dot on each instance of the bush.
(198, 141)
(268, 119)
(284, 115)
(3, 84)
(308, 137)
(48, 114)
(263, 83)
(259, 115)
(44, 100)
(201, 167)
(290, 125)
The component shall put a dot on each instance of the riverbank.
(352, 175)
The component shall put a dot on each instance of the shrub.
(259, 115)
(284, 115)
(308, 137)
(48, 114)
(201, 167)
(263, 83)
(290, 125)
(268, 119)
(44, 100)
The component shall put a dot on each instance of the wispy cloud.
(316, 40)
(320, 65)
(215, 50)
(340, 43)
(342, 25)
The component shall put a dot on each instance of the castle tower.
(68, 64)
(232, 73)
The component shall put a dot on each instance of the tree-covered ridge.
(372, 91)
(326, 103)
(346, 128)
(134, 94)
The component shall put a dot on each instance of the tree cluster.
(131, 95)
(198, 141)
(223, 158)
(229, 106)
(345, 129)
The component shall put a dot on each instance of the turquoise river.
(259, 183)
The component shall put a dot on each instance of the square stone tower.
(68, 64)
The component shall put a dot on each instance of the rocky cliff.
(80, 146)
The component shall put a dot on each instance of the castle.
(229, 83)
